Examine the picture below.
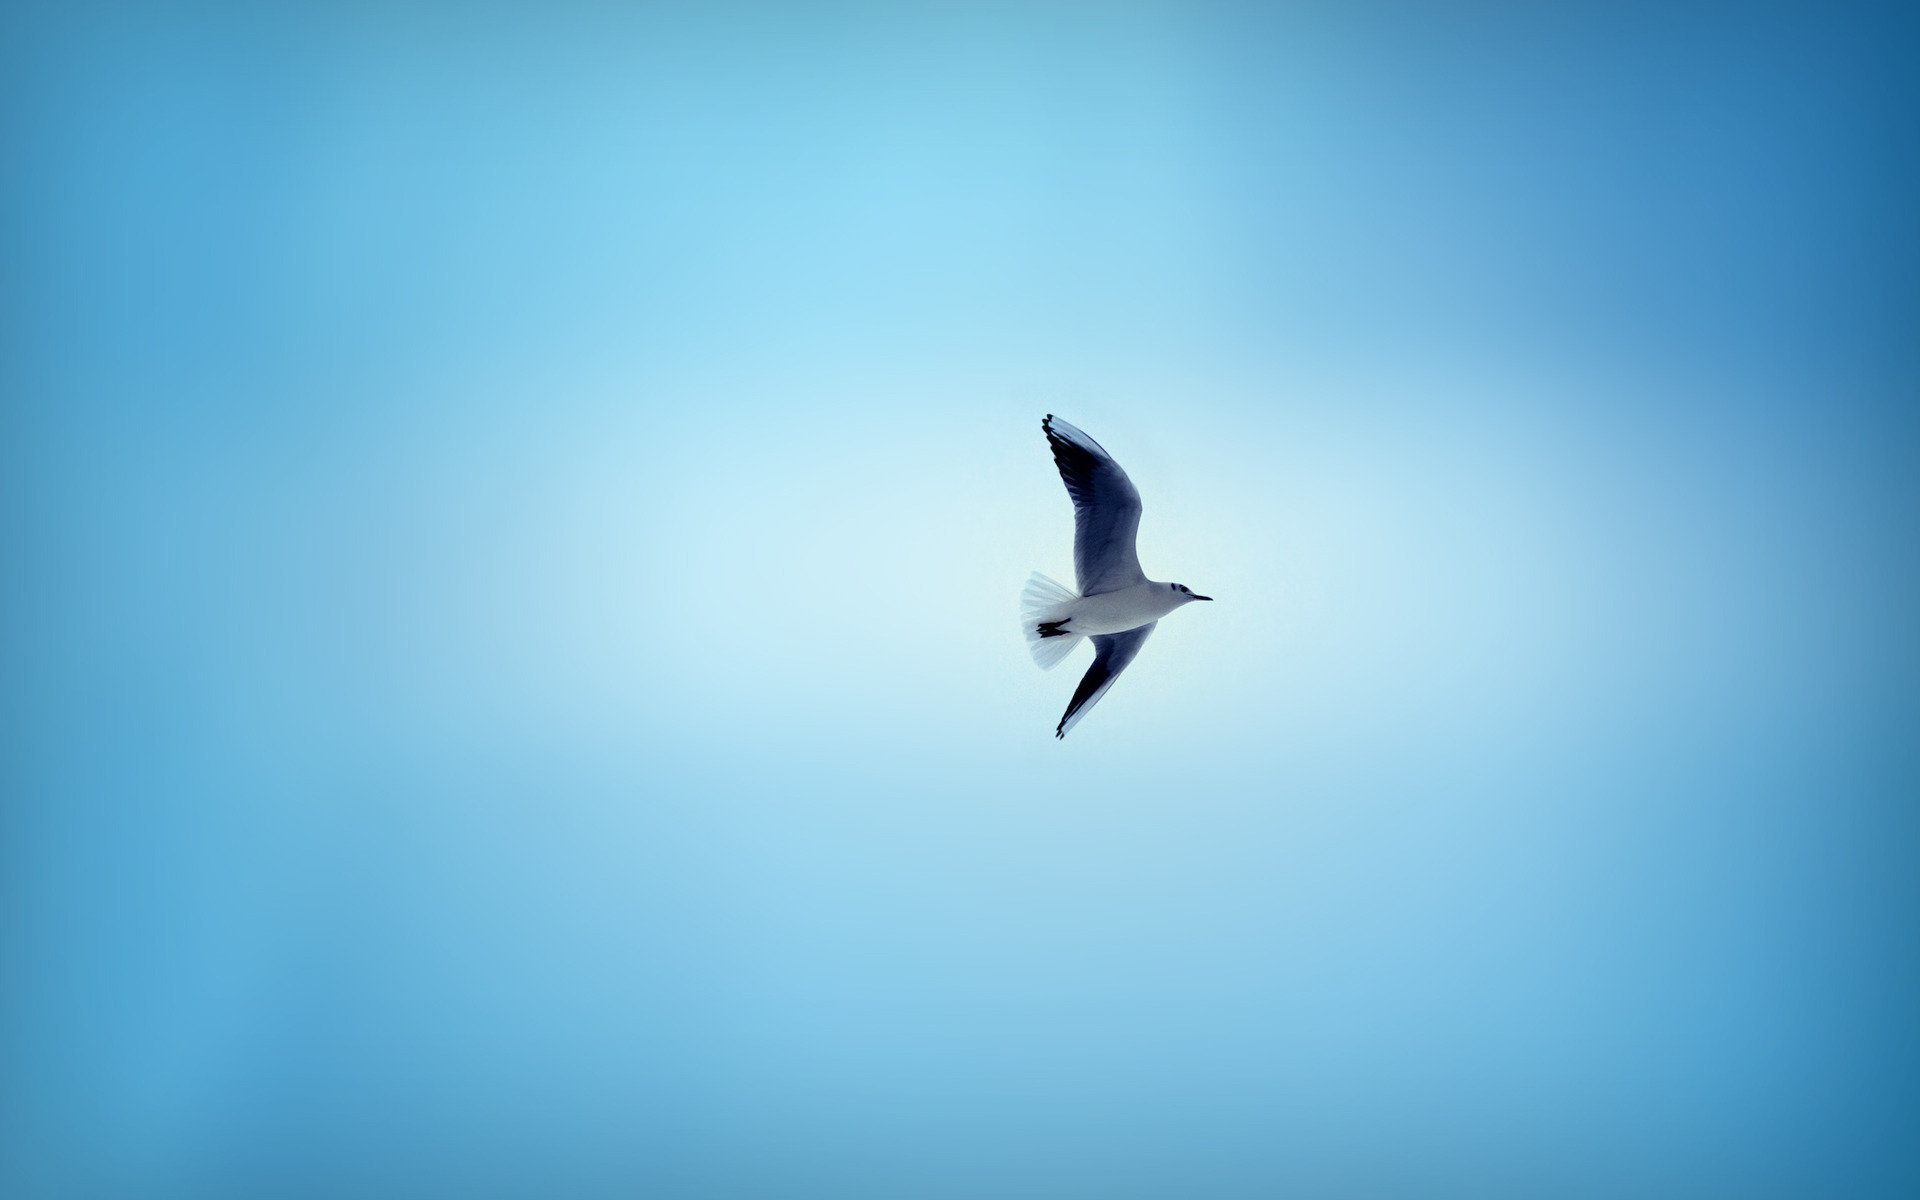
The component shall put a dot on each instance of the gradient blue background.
(512, 522)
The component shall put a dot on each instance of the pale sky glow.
(514, 523)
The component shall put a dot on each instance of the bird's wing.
(1111, 654)
(1106, 510)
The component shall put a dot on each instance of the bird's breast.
(1117, 612)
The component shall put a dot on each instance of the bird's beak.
(1203, 597)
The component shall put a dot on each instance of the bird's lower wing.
(1111, 654)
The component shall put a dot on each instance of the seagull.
(1117, 605)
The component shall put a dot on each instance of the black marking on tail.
(1053, 628)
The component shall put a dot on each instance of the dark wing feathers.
(1111, 654)
(1106, 510)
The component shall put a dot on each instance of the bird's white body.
(1117, 612)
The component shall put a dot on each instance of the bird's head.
(1186, 593)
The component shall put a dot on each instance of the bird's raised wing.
(1111, 654)
(1106, 510)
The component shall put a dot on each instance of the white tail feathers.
(1042, 595)
(1048, 651)
(1044, 602)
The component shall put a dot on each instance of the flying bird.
(1117, 605)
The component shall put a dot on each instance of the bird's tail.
(1044, 605)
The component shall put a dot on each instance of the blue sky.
(513, 520)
